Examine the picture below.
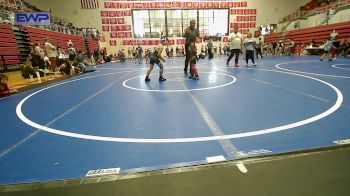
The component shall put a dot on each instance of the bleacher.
(9, 51)
(39, 35)
(319, 33)
(92, 44)
(274, 37)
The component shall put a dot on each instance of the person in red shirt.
(4, 88)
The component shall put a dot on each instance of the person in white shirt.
(235, 39)
(249, 45)
(51, 52)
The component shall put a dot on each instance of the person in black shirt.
(191, 34)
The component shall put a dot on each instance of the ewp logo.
(39, 18)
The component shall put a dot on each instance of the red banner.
(123, 5)
(105, 28)
(113, 21)
(111, 14)
(121, 20)
(114, 35)
(127, 12)
(112, 42)
(167, 4)
(104, 13)
(175, 4)
(138, 5)
(128, 34)
(105, 20)
(114, 28)
(145, 5)
(121, 34)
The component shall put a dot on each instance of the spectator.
(210, 50)
(38, 56)
(4, 87)
(79, 61)
(139, 52)
(51, 53)
(327, 50)
(71, 52)
(258, 47)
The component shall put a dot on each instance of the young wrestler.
(193, 58)
(155, 58)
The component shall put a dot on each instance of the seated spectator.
(67, 68)
(121, 56)
(28, 71)
(4, 87)
(79, 61)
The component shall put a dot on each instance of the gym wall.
(267, 12)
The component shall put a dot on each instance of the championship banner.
(120, 13)
(128, 34)
(112, 42)
(111, 14)
(121, 20)
(114, 28)
(114, 35)
(104, 13)
(105, 28)
(113, 21)
(105, 20)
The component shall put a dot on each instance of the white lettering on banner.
(100, 172)
(253, 152)
(341, 142)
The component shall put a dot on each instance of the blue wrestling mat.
(111, 118)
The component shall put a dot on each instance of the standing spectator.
(210, 50)
(51, 53)
(191, 34)
(38, 56)
(258, 47)
(171, 52)
(129, 53)
(220, 52)
(139, 52)
(327, 50)
(167, 51)
(193, 59)
(235, 39)
(133, 52)
(291, 48)
(249, 45)
(279, 48)
(71, 52)
(228, 49)
(225, 49)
